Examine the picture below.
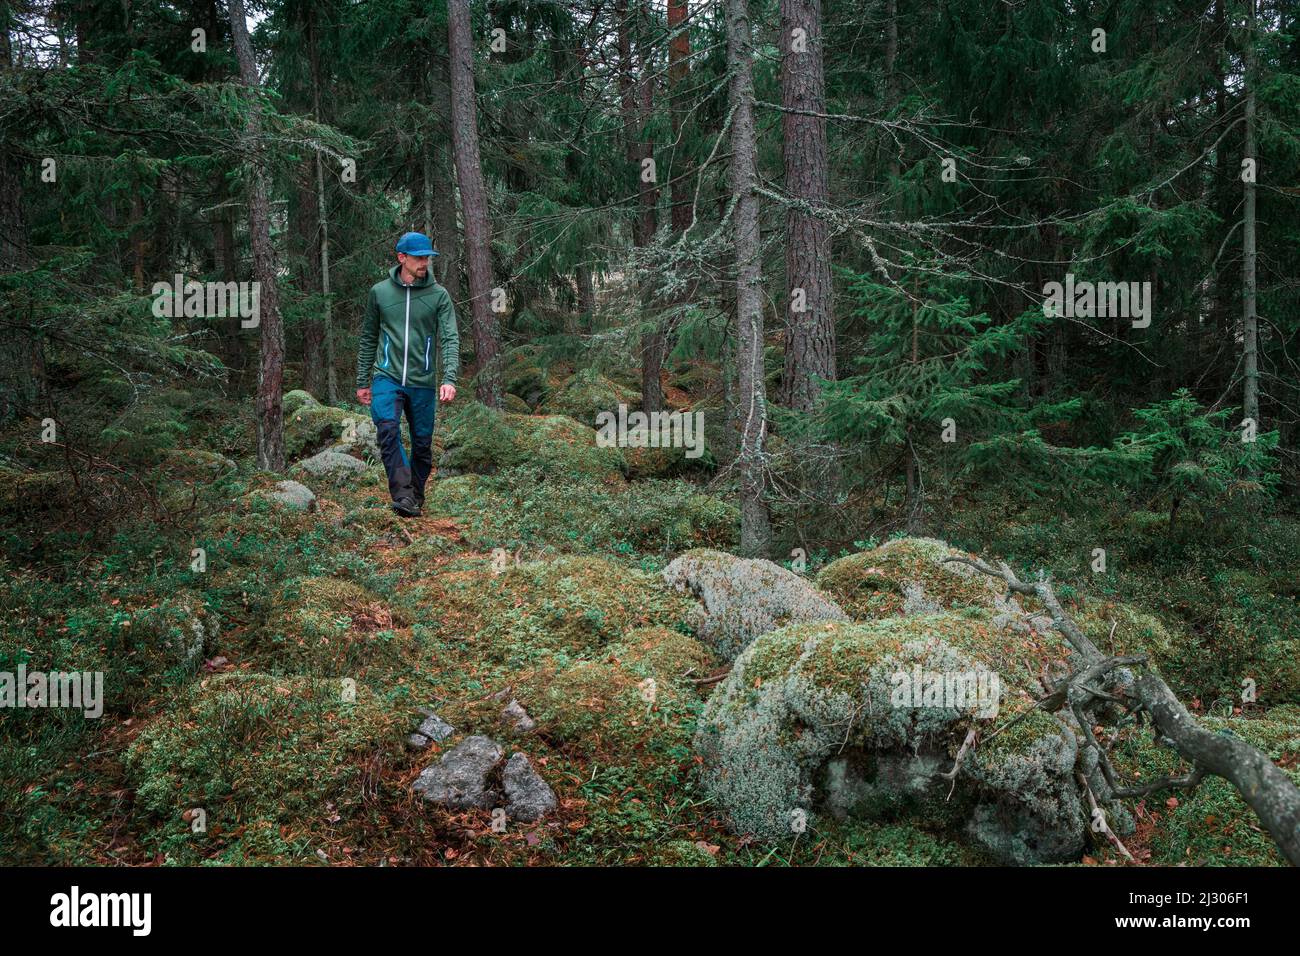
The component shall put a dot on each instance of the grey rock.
(517, 717)
(432, 729)
(293, 496)
(530, 797)
(331, 464)
(741, 599)
(460, 779)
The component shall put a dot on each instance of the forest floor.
(534, 575)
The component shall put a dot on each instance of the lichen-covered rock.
(460, 779)
(528, 796)
(293, 496)
(332, 464)
(483, 441)
(908, 576)
(514, 714)
(742, 598)
(433, 729)
(841, 718)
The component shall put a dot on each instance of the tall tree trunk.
(270, 371)
(21, 362)
(810, 342)
(316, 366)
(637, 101)
(440, 186)
(473, 199)
(679, 52)
(323, 232)
(1250, 321)
(891, 75)
(755, 528)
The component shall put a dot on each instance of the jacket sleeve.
(367, 341)
(448, 340)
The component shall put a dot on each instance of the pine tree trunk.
(636, 101)
(679, 52)
(19, 348)
(755, 528)
(473, 199)
(1250, 321)
(270, 372)
(810, 342)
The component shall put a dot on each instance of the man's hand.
(447, 392)
(363, 396)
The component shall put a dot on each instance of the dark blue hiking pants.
(388, 401)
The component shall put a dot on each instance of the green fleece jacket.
(404, 329)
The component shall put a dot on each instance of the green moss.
(572, 607)
(314, 427)
(332, 627)
(874, 584)
(1211, 826)
(587, 394)
(296, 399)
(682, 853)
(634, 701)
(482, 440)
(263, 757)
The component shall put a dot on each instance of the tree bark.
(755, 527)
(270, 372)
(637, 100)
(473, 198)
(810, 341)
(1250, 321)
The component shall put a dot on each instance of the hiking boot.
(419, 500)
(406, 507)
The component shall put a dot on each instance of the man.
(409, 321)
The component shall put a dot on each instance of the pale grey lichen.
(741, 599)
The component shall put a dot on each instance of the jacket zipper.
(406, 338)
(385, 350)
(428, 341)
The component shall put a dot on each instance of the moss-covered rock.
(822, 716)
(315, 427)
(515, 405)
(262, 757)
(522, 374)
(296, 399)
(587, 394)
(482, 440)
(741, 598)
(907, 576)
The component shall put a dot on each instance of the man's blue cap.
(416, 244)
